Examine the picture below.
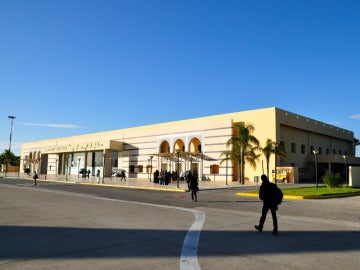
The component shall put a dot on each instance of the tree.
(356, 142)
(271, 148)
(9, 158)
(267, 151)
(243, 148)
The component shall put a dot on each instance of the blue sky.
(74, 67)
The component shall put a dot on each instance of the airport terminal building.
(196, 145)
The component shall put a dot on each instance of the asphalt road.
(68, 226)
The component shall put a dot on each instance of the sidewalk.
(134, 183)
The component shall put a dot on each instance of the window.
(131, 168)
(312, 148)
(140, 168)
(293, 148)
(282, 145)
(98, 158)
(334, 152)
(320, 150)
(115, 157)
(303, 149)
(327, 151)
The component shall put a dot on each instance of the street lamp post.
(67, 157)
(12, 119)
(191, 160)
(19, 168)
(276, 150)
(242, 165)
(103, 178)
(151, 157)
(11, 125)
(79, 167)
(178, 167)
(56, 161)
(316, 152)
(111, 168)
(346, 170)
(227, 156)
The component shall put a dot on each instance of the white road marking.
(188, 258)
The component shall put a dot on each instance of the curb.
(111, 185)
(315, 197)
(257, 195)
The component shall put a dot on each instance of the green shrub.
(332, 180)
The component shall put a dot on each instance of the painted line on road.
(249, 194)
(188, 258)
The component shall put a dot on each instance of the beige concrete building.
(196, 145)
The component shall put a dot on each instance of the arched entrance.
(179, 154)
(195, 156)
(164, 155)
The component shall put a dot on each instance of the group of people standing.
(164, 177)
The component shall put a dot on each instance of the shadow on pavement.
(23, 242)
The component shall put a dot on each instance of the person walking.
(123, 176)
(194, 188)
(266, 194)
(156, 177)
(162, 177)
(35, 177)
(189, 178)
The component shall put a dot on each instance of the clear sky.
(74, 67)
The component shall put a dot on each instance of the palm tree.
(356, 142)
(243, 148)
(271, 148)
(280, 151)
(268, 150)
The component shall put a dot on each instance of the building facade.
(197, 145)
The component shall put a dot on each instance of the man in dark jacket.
(266, 194)
(35, 177)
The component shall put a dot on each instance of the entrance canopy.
(83, 147)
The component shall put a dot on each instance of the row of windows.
(320, 149)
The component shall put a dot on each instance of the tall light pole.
(12, 119)
(346, 170)
(316, 152)
(7, 163)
